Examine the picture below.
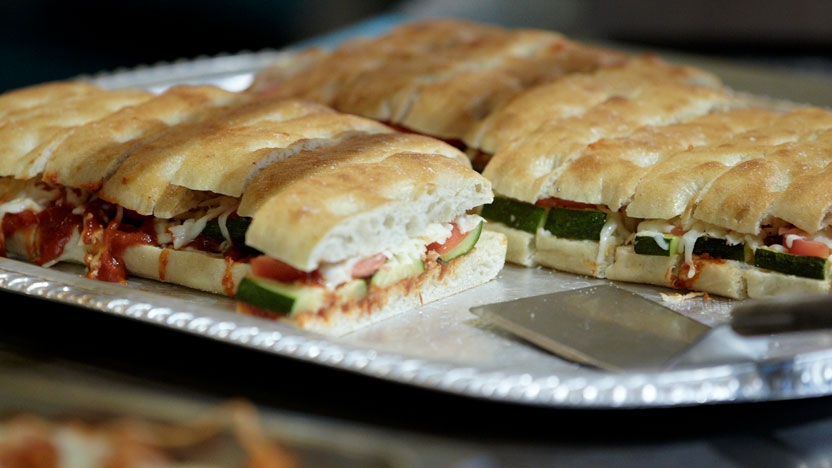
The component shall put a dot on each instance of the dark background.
(42, 40)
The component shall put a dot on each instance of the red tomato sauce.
(112, 267)
(55, 226)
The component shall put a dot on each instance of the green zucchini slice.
(465, 246)
(291, 298)
(281, 298)
(579, 224)
(797, 265)
(236, 229)
(719, 248)
(515, 214)
(648, 245)
(387, 276)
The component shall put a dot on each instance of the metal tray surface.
(440, 346)
(443, 347)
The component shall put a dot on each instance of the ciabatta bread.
(195, 185)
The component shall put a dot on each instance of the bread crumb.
(677, 298)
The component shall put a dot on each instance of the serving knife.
(608, 327)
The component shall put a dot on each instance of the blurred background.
(43, 40)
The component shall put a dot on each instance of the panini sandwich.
(328, 220)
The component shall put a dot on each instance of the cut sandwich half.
(359, 232)
(212, 190)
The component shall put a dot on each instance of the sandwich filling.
(275, 287)
(49, 224)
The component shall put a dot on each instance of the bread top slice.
(527, 168)
(741, 198)
(366, 195)
(285, 65)
(10, 188)
(392, 68)
(438, 77)
(575, 93)
(674, 186)
(807, 201)
(223, 165)
(450, 103)
(320, 74)
(92, 152)
(608, 171)
(27, 137)
(215, 154)
(18, 101)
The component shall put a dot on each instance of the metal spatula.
(611, 328)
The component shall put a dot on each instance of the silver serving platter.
(440, 346)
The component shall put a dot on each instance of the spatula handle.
(783, 314)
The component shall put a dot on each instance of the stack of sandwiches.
(624, 167)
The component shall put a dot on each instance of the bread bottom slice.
(481, 265)
(769, 283)
(715, 276)
(215, 274)
(726, 278)
(658, 270)
(582, 257)
(521, 244)
(189, 268)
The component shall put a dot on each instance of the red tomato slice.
(367, 266)
(561, 203)
(452, 241)
(808, 248)
(678, 231)
(272, 268)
